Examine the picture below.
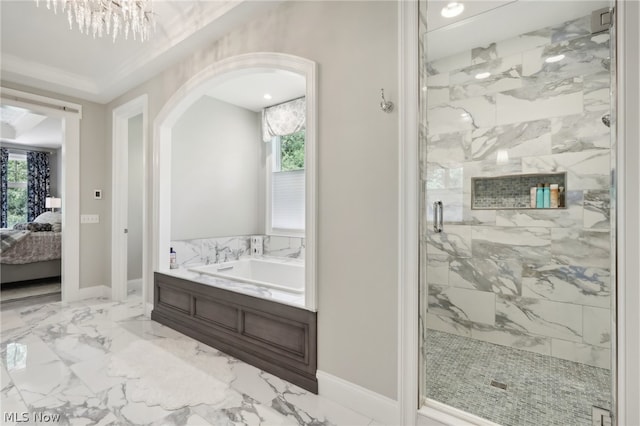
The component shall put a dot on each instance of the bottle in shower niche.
(554, 196)
(546, 196)
(540, 196)
(173, 261)
(534, 195)
(561, 197)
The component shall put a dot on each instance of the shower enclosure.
(516, 298)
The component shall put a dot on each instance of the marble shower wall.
(203, 251)
(537, 280)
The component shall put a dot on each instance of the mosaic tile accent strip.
(541, 390)
(510, 192)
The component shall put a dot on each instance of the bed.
(32, 253)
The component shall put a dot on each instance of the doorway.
(128, 169)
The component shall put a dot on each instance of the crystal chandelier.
(111, 17)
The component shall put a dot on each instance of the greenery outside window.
(286, 201)
(16, 189)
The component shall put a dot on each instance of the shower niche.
(511, 192)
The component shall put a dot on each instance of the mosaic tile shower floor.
(541, 390)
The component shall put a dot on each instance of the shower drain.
(499, 385)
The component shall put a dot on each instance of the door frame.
(627, 335)
(120, 191)
(71, 114)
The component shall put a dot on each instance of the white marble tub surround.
(285, 275)
(269, 293)
(102, 362)
(522, 278)
(205, 251)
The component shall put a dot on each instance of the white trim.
(94, 292)
(160, 214)
(357, 398)
(70, 114)
(119, 189)
(451, 416)
(408, 229)
(628, 213)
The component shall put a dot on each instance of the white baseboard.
(373, 405)
(90, 293)
(148, 307)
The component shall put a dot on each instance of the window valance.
(284, 119)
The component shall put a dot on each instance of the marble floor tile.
(99, 362)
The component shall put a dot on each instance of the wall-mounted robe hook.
(386, 106)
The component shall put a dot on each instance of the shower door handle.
(438, 218)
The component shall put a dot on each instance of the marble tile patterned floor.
(541, 390)
(99, 362)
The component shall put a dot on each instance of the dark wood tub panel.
(277, 338)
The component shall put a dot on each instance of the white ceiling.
(247, 90)
(39, 49)
(485, 22)
(23, 127)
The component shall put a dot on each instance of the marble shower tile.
(582, 56)
(437, 270)
(505, 75)
(448, 324)
(499, 243)
(581, 247)
(554, 99)
(585, 170)
(577, 133)
(445, 175)
(469, 305)
(484, 54)
(597, 209)
(517, 140)
(437, 90)
(571, 217)
(581, 285)
(539, 317)
(513, 339)
(597, 326)
(496, 276)
(582, 353)
(454, 241)
(449, 63)
(462, 115)
(449, 147)
(597, 92)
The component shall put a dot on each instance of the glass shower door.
(516, 286)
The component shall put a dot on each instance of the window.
(16, 189)
(286, 200)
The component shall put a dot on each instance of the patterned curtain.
(4, 166)
(38, 181)
(284, 119)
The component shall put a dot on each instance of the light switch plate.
(89, 218)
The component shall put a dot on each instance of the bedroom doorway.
(129, 146)
(58, 255)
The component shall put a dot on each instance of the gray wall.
(55, 164)
(355, 46)
(215, 174)
(95, 173)
(134, 203)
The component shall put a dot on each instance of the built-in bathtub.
(251, 309)
(286, 275)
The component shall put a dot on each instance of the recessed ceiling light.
(482, 75)
(452, 9)
(552, 59)
(267, 96)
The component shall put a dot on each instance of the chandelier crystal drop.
(111, 17)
